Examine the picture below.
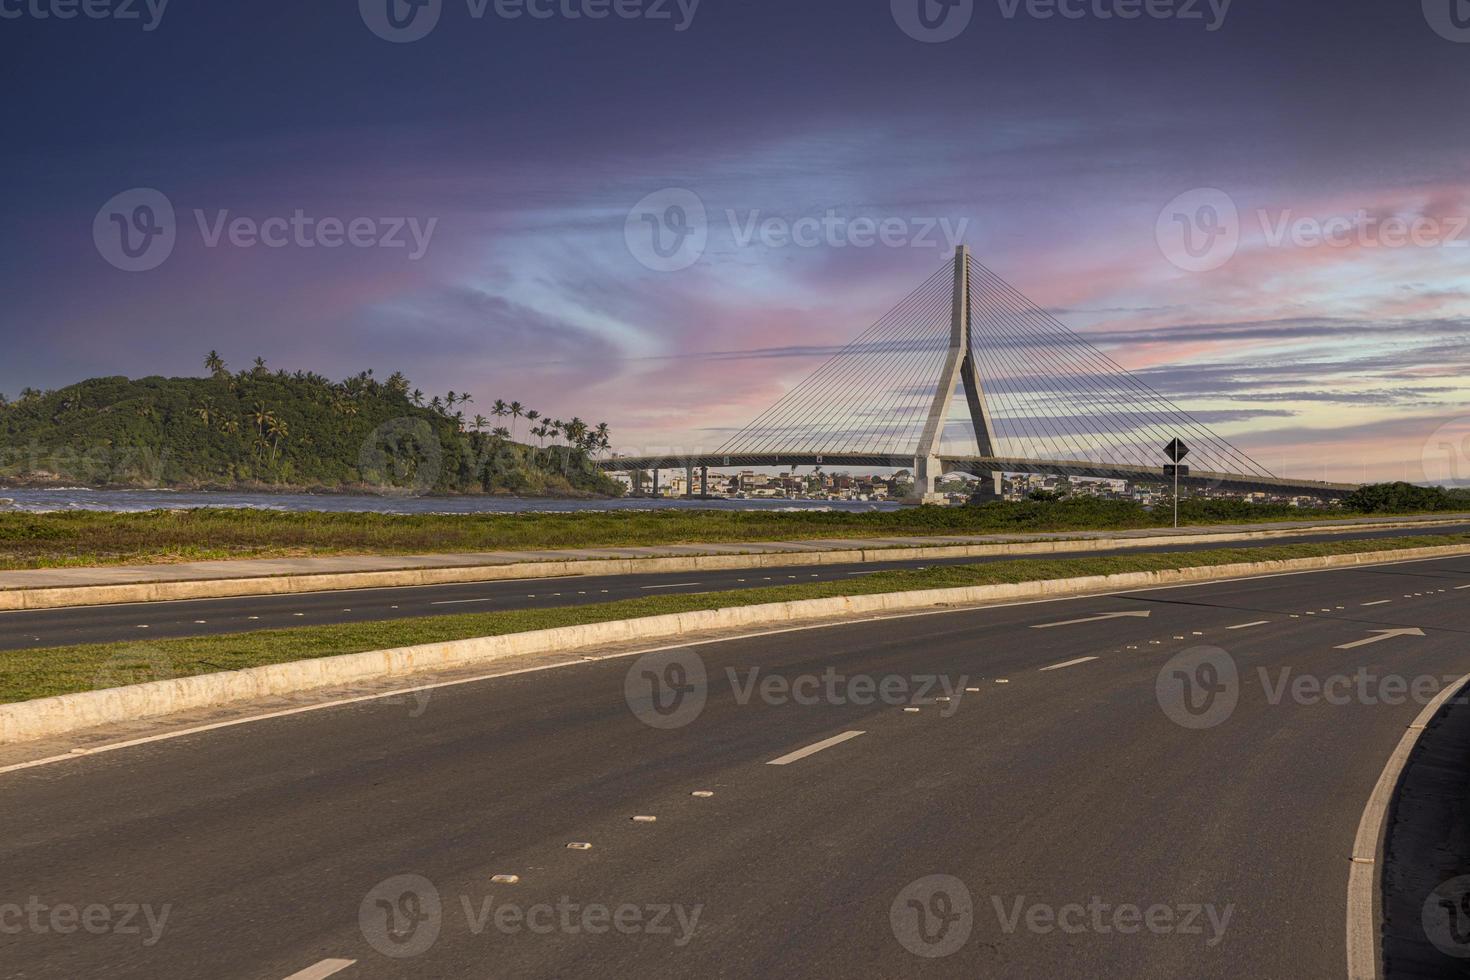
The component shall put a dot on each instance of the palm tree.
(205, 413)
(516, 410)
(501, 433)
(417, 397)
(278, 432)
(500, 409)
(480, 423)
(436, 406)
(259, 368)
(261, 416)
(214, 364)
(576, 431)
(450, 399)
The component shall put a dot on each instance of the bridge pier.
(689, 480)
(704, 481)
(655, 481)
(927, 471)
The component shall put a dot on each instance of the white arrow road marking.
(322, 970)
(1069, 663)
(813, 749)
(1096, 619)
(1379, 637)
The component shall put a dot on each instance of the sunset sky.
(1056, 144)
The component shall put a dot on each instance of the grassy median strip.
(85, 538)
(27, 674)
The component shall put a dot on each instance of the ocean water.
(40, 501)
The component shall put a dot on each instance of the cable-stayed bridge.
(1038, 398)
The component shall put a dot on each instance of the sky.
(666, 216)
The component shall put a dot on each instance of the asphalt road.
(211, 617)
(1062, 790)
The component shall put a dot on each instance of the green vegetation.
(1399, 498)
(82, 538)
(26, 674)
(266, 430)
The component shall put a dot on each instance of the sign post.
(1176, 450)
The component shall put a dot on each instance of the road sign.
(1176, 451)
(1176, 472)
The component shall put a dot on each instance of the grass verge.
(27, 674)
(86, 539)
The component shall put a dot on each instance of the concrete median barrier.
(47, 717)
(99, 594)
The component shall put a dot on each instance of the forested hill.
(276, 430)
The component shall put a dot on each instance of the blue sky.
(1063, 149)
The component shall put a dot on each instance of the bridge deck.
(977, 465)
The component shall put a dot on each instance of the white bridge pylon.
(1037, 398)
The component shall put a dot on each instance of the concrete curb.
(57, 597)
(44, 717)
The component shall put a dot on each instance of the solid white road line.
(1069, 663)
(1096, 619)
(1362, 923)
(1380, 602)
(814, 748)
(1245, 626)
(676, 585)
(321, 970)
(1378, 637)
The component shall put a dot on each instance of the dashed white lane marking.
(167, 736)
(1069, 663)
(505, 879)
(461, 602)
(1380, 602)
(813, 749)
(1460, 587)
(675, 585)
(1246, 626)
(321, 970)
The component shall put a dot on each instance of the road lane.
(213, 617)
(1050, 790)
